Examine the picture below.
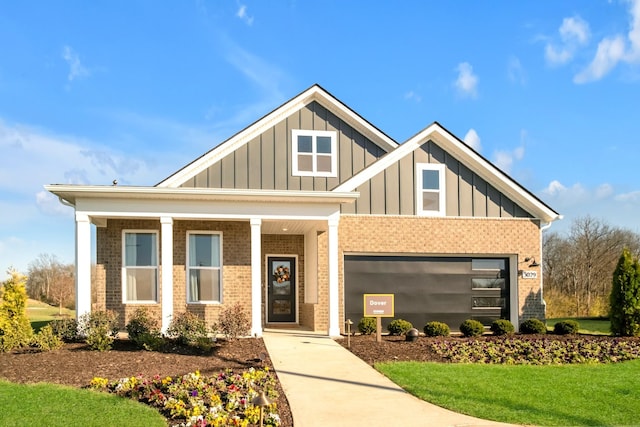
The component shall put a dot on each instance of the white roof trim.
(71, 193)
(314, 93)
(466, 155)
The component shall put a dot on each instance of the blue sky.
(134, 90)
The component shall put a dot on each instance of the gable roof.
(314, 93)
(469, 157)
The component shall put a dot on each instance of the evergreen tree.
(15, 328)
(625, 296)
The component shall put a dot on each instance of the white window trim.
(124, 267)
(188, 268)
(442, 198)
(314, 134)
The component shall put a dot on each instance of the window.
(140, 267)
(314, 153)
(430, 186)
(487, 283)
(204, 273)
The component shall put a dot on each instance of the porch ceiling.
(291, 226)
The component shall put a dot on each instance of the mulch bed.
(75, 364)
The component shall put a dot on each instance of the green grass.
(588, 325)
(54, 405)
(565, 395)
(40, 313)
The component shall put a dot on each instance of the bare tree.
(578, 268)
(51, 281)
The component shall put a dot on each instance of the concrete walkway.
(326, 385)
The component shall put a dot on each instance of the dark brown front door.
(281, 289)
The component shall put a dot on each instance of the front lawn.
(55, 405)
(558, 395)
(40, 313)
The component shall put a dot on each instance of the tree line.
(578, 266)
(51, 281)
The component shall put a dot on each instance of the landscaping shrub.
(367, 325)
(399, 326)
(471, 328)
(533, 326)
(625, 296)
(144, 330)
(437, 329)
(233, 322)
(99, 328)
(502, 327)
(66, 329)
(46, 339)
(566, 327)
(15, 328)
(189, 329)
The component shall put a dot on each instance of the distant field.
(40, 313)
(588, 325)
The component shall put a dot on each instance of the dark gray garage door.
(445, 289)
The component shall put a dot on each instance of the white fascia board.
(468, 157)
(199, 209)
(314, 93)
(73, 193)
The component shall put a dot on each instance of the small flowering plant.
(197, 400)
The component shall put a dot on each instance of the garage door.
(444, 289)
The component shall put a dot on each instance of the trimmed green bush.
(144, 330)
(625, 296)
(566, 327)
(66, 329)
(15, 328)
(46, 339)
(533, 326)
(471, 328)
(367, 325)
(437, 329)
(502, 327)
(99, 329)
(399, 326)
(189, 329)
(233, 322)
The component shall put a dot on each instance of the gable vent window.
(314, 153)
(430, 195)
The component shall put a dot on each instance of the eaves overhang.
(72, 193)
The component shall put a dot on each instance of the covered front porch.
(266, 220)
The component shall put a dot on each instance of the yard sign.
(378, 306)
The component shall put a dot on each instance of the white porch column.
(166, 246)
(334, 309)
(83, 265)
(256, 275)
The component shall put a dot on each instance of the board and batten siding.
(393, 191)
(265, 161)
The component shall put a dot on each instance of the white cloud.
(632, 197)
(466, 83)
(242, 14)
(574, 32)
(473, 140)
(412, 96)
(504, 159)
(50, 205)
(76, 69)
(610, 52)
(516, 71)
(614, 49)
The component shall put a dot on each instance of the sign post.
(378, 306)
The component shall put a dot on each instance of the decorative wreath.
(281, 274)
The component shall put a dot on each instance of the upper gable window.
(314, 153)
(430, 189)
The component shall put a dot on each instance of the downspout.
(66, 203)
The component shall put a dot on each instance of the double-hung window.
(204, 272)
(314, 153)
(140, 267)
(430, 189)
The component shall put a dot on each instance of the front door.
(281, 289)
